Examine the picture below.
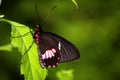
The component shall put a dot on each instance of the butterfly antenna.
(37, 15)
(50, 12)
(38, 18)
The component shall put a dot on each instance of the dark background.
(94, 28)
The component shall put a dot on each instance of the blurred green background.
(94, 28)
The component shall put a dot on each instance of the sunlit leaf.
(30, 66)
(1, 16)
(7, 47)
(75, 3)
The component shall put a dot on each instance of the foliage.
(65, 75)
(94, 28)
(75, 3)
(1, 16)
(30, 66)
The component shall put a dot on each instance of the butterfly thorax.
(37, 32)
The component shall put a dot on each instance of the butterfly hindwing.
(49, 53)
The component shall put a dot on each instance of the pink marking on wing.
(52, 54)
(46, 54)
(43, 56)
(49, 54)
(53, 50)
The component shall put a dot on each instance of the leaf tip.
(1, 16)
(75, 4)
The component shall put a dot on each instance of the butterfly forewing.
(68, 52)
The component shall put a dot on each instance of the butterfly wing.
(65, 50)
(68, 51)
(48, 52)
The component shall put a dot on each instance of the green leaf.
(1, 16)
(75, 3)
(7, 47)
(30, 66)
(65, 75)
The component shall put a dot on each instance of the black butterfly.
(53, 49)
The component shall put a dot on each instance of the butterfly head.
(38, 28)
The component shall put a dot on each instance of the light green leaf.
(75, 3)
(65, 75)
(7, 47)
(1, 16)
(30, 66)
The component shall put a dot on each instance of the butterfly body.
(53, 49)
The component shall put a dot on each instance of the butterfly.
(53, 49)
